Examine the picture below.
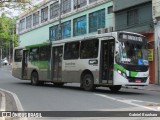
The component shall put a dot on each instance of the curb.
(143, 88)
(3, 102)
(14, 98)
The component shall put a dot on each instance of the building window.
(96, 20)
(44, 14)
(54, 10)
(132, 17)
(36, 18)
(66, 6)
(22, 24)
(29, 22)
(110, 9)
(79, 26)
(89, 49)
(66, 29)
(91, 1)
(53, 33)
(79, 3)
(71, 50)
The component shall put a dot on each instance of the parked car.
(4, 62)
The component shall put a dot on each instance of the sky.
(13, 12)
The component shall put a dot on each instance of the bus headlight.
(119, 72)
(122, 73)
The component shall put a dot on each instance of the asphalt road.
(72, 98)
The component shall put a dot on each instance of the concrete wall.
(156, 8)
(144, 24)
(123, 4)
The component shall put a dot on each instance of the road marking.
(3, 104)
(129, 101)
(17, 101)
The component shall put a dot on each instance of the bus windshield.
(133, 50)
(134, 53)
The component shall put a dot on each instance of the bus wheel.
(115, 88)
(34, 78)
(88, 83)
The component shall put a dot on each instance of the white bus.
(111, 60)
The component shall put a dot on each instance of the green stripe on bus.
(133, 74)
(40, 64)
(119, 67)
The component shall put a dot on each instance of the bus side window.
(44, 53)
(34, 54)
(89, 49)
(71, 50)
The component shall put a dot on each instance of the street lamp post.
(0, 56)
(59, 27)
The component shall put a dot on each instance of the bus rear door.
(57, 53)
(24, 64)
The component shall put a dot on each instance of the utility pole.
(1, 55)
(9, 55)
(12, 41)
(59, 27)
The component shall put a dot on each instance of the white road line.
(17, 101)
(130, 102)
(3, 104)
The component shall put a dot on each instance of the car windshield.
(134, 53)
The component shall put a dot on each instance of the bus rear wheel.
(115, 88)
(88, 83)
(34, 78)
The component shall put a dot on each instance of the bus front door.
(24, 64)
(107, 61)
(57, 53)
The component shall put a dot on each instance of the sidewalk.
(151, 87)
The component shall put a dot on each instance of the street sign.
(150, 54)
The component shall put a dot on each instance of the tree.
(19, 5)
(7, 34)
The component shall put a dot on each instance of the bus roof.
(38, 45)
(77, 38)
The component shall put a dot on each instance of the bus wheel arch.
(34, 78)
(87, 80)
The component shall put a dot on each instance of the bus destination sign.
(131, 37)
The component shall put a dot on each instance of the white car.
(4, 62)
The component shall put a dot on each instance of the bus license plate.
(138, 81)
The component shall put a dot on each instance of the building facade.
(136, 16)
(76, 17)
(156, 20)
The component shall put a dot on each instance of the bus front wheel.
(34, 78)
(115, 88)
(88, 83)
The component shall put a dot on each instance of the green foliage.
(14, 4)
(7, 31)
